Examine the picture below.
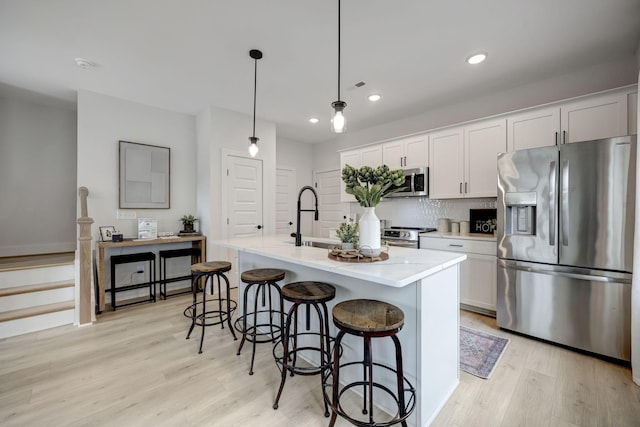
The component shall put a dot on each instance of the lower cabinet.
(478, 273)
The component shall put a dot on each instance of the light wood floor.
(134, 368)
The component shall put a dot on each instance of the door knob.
(259, 227)
(290, 223)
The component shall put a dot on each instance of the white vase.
(369, 228)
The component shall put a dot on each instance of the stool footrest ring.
(410, 403)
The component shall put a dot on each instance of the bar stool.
(309, 294)
(369, 319)
(225, 307)
(262, 329)
(116, 260)
(193, 253)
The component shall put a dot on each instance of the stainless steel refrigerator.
(565, 243)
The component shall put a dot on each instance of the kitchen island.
(423, 283)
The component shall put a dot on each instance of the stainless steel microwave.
(416, 183)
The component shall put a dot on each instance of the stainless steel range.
(407, 237)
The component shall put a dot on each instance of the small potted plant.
(348, 234)
(187, 223)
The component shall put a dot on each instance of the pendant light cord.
(255, 88)
(339, 7)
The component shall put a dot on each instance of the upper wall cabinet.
(600, 116)
(532, 129)
(594, 118)
(463, 160)
(406, 153)
(366, 156)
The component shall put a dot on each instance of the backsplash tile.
(424, 212)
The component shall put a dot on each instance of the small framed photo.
(106, 233)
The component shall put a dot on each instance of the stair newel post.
(84, 253)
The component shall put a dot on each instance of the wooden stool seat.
(367, 316)
(308, 292)
(262, 275)
(211, 267)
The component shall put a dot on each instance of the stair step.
(36, 311)
(39, 287)
(36, 261)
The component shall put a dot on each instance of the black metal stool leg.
(368, 357)
(255, 325)
(204, 309)
(285, 353)
(194, 288)
(244, 319)
(229, 307)
(335, 402)
(400, 380)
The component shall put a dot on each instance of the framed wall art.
(144, 176)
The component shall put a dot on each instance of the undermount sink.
(314, 244)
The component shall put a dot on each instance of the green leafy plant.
(188, 219)
(347, 232)
(370, 185)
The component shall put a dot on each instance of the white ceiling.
(186, 55)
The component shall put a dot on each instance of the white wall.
(219, 129)
(299, 157)
(37, 177)
(102, 122)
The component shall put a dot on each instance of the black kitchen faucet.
(302, 190)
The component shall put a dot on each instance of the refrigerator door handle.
(564, 205)
(567, 274)
(552, 203)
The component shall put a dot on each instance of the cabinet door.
(599, 117)
(393, 154)
(351, 158)
(371, 156)
(483, 142)
(446, 173)
(416, 152)
(533, 129)
(478, 281)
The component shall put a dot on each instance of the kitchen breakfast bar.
(423, 283)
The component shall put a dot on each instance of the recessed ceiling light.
(84, 64)
(313, 120)
(374, 97)
(477, 58)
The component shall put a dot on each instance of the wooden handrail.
(84, 254)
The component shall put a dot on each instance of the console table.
(196, 242)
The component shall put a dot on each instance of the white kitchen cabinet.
(464, 160)
(365, 156)
(599, 116)
(533, 128)
(594, 118)
(478, 273)
(406, 153)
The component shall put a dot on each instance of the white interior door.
(244, 197)
(332, 212)
(285, 200)
(241, 203)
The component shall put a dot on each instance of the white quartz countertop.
(469, 236)
(404, 266)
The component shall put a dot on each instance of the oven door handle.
(402, 243)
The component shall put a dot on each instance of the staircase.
(36, 293)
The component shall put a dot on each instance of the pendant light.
(338, 121)
(253, 141)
